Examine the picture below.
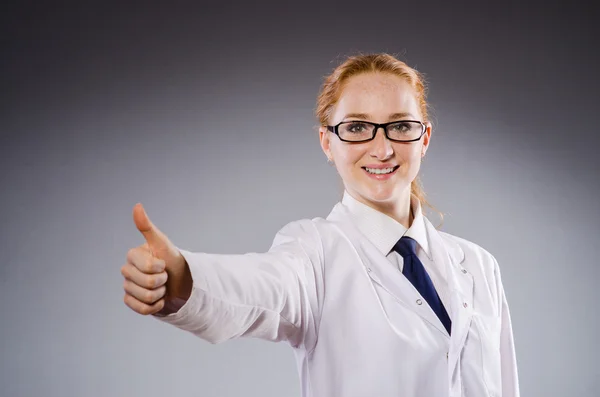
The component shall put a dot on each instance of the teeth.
(379, 171)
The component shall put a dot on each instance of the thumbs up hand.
(155, 271)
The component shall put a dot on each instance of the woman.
(373, 299)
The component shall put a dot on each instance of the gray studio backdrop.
(205, 116)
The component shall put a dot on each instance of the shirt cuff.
(177, 309)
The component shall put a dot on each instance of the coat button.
(446, 355)
(368, 269)
(465, 304)
(464, 271)
(419, 302)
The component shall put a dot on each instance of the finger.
(141, 307)
(154, 237)
(142, 259)
(149, 281)
(148, 296)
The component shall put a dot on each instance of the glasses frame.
(335, 130)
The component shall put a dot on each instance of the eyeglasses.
(363, 131)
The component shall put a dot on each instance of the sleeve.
(273, 296)
(510, 379)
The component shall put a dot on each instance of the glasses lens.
(355, 131)
(405, 130)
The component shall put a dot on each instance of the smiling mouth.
(380, 171)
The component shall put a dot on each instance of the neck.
(399, 210)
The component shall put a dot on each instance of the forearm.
(255, 295)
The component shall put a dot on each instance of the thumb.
(155, 238)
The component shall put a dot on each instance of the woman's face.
(379, 98)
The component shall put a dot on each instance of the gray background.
(205, 115)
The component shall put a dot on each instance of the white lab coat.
(357, 325)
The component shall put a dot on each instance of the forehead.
(378, 95)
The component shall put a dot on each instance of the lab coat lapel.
(381, 271)
(448, 253)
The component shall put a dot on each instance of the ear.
(324, 136)
(426, 137)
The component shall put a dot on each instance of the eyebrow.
(365, 116)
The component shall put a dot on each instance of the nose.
(381, 147)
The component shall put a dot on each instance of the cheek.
(410, 160)
(348, 155)
(409, 154)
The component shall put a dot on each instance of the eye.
(401, 127)
(356, 127)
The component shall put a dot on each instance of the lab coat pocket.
(489, 331)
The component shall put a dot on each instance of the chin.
(380, 196)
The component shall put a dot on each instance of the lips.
(381, 177)
(379, 166)
(394, 168)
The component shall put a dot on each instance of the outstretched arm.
(274, 295)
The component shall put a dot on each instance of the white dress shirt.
(384, 232)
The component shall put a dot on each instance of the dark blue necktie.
(415, 272)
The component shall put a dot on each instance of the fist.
(155, 271)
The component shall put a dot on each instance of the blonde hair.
(364, 63)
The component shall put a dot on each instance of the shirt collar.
(384, 231)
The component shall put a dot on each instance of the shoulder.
(312, 229)
(314, 235)
(466, 245)
(300, 229)
(473, 254)
(300, 235)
